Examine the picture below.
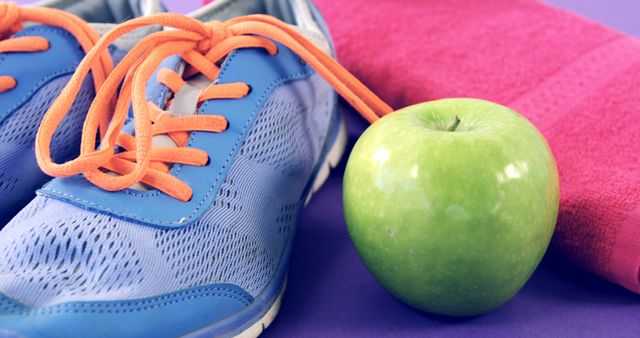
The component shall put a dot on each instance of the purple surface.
(331, 294)
(182, 6)
(619, 14)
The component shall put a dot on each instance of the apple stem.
(454, 123)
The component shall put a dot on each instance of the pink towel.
(577, 81)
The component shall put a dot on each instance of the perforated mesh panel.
(55, 252)
(267, 143)
(19, 173)
(57, 249)
(21, 127)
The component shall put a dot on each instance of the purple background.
(621, 14)
(331, 294)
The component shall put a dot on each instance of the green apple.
(451, 204)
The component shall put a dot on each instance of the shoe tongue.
(317, 38)
(185, 103)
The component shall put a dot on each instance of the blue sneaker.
(238, 134)
(36, 62)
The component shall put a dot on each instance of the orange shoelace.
(202, 46)
(12, 19)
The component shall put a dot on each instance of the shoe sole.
(258, 327)
(331, 160)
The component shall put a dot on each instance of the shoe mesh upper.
(55, 252)
(19, 172)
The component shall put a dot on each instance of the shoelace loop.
(201, 45)
(216, 33)
(12, 19)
